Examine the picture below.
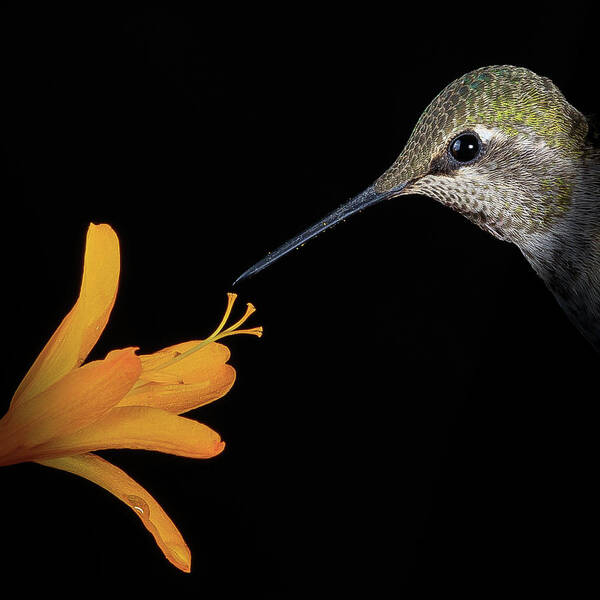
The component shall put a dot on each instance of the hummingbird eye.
(465, 147)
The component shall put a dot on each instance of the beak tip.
(236, 281)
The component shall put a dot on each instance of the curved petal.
(138, 428)
(181, 397)
(81, 328)
(118, 483)
(77, 400)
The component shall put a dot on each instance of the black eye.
(465, 147)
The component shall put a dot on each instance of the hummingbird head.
(500, 145)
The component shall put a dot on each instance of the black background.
(419, 416)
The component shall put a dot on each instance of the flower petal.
(141, 428)
(191, 369)
(181, 397)
(118, 483)
(81, 328)
(77, 400)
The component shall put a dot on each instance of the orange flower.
(63, 410)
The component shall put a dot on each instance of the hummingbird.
(502, 146)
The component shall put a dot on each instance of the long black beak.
(367, 198)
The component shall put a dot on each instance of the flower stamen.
(249, 310)
(219, 332)
(230, 302)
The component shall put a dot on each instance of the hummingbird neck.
(567, 257)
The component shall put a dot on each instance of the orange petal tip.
(219, 447)
(180, 556)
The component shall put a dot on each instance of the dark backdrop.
(418, 414)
